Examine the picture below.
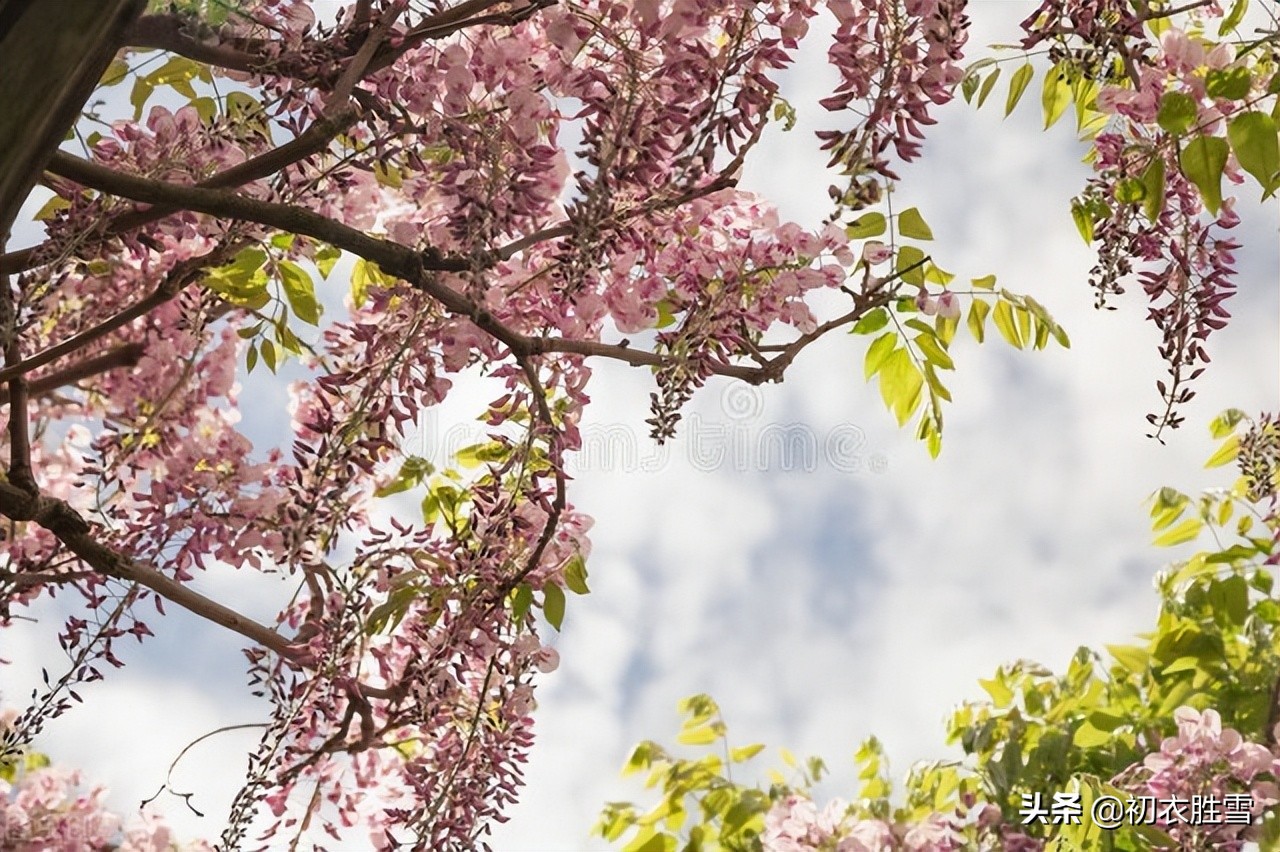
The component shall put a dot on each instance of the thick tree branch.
(408, 264)
(308, 143)
(77, 535)
(173, 34)
(51, 57)
(392, 257)
(401, 261)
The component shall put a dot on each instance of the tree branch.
(77, 535)
(223, 204)
(308, 143)
(177, 279)
(124, 355)
(170, 33)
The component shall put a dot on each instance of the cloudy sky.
(819, 601)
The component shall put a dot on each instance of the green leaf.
(177, 73)
(326, 257)
(1155, 837)
(138, 96)
(1203, 161)
(575, 575)
(700, 735)
(910, 265)
(1056, 96)
(1232, 598)
(1083, 218)
(1183, 532)
(1001, 695)
(553, 605)
(911, 224)
(1225, 423)
(1153, 188)
(1006, 324)
(1087, 736)
(933, 352)
(978, 318)
(1226, 454)
(1017, 85)
(270, 356)
(866, 225)
(521, 600)
(900, 385)
(300, 290)
(872, 322)
(1234, 16)
(1130, 191)
(986, 282)
(878, 352)
(115, 73)
(1230, 83)
(1257, 147)
(1132, 657)
(744, 753)
(1177, 113)
(987, 86)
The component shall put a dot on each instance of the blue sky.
(817, 607)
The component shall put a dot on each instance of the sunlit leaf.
(1257, 148)
(1203, 160)
(912, 225)
(1056, 95)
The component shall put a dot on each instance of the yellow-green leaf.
(575, 575)
(1087, 736)
(553, 605)
(934, 352)
(1153, 188)
(878, 352)
(987, 85)
(912, 225)
(300, 290)
(866, 225)
(1183, 532)
(51, 208)
(699, 735)
(1256, 145)
(1203, 161)
(978, 318)
(1006, 324)
(1056, 96)
(901, 384)
(1017, 85)
(1226, 453)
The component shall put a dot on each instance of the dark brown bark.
(52, 55)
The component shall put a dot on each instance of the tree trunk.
(52, 54)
